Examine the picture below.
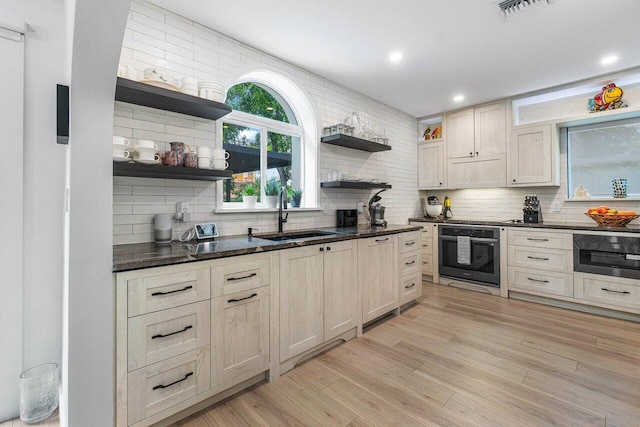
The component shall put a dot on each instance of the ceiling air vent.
(510, 8)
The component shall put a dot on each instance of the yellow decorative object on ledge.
(609, 99)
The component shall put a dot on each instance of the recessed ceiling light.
(458, 98)
(609, 60)
(395, 56)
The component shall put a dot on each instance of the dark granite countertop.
(144, 255)
(631, 228)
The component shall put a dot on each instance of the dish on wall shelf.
(122, 159)
(160, 83)
(148, 162)
(169, 172)
(355, 185)
(146, 95)
(355, 143)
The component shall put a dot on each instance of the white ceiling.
(449, 47)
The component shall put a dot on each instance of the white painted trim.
(13, 22)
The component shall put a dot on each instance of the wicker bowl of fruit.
(607, 217)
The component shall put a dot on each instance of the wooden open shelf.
(146, 95)
(169, 172)
(354, 143)
(356, 185)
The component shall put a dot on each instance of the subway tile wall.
(157, 38)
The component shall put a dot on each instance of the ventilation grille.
(514, 7)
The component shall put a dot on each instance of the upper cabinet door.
(490, 129)
(531, 157)
(431, 166)
(460, 134)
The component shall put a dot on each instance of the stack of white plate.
(211, 91)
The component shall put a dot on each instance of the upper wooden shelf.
(355, 143)
(146, 95)
(169, 172)
(356, 185)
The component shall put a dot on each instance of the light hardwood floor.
(458, 358)
(53, 421)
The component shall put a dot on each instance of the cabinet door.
(240, 336)
(340, 288)
(490, 130)
(477, 172)
(301, 295)
(460, 134)
(431, 166)
(531, 156)
(379, 276)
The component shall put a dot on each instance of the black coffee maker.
(376, 212)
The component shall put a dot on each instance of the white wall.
(157, 38)
(43, 174)
(89, 353)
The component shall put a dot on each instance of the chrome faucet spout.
(282, 205)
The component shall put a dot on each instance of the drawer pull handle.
(536, 257)
(242, 299)
(173, 383)
(616, 292)
(410, 286)
(382, 240)
(537, 240)
(231, 279)
(410, 243)
(536, 280)
(186, 328)
(410, 263)
(186, 288)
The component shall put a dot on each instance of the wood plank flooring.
(457, 358)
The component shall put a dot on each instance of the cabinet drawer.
(162, 385)
(526, 279)
(410, 288)
(540, 239)
(545, 259)
(161, 288)
(427, 265)
(409, 242)
(167, 333)
(237, 274)
(427, 248)
(616, 291)
(427, 228)
(409, 263)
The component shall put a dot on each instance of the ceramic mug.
(119, 151)
(120, 140)
(220, 154)
(204, 151)
(220, 164)
(205, 163)
(146, 143)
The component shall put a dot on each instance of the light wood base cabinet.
(340, 288)
(239, 336)
(617, 293)
(378, 275)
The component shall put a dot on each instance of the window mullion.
(263, 162)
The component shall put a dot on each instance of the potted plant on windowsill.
(249, 196)
(296, 197)
(271, 190)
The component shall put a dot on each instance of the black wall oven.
(470, 253)
(607, 255)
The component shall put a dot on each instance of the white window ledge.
(604, 199)
(262, 210)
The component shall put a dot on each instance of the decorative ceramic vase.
(271, 201)
(295, 202)
(619, 188)
(249, 202)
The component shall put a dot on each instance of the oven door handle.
(473, 239)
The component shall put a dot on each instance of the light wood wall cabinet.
(476, 147)
(318, 295)
(533, 157)
(540, 262)
(431, 173)
(378, 276)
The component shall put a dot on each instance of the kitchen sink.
(285, 237)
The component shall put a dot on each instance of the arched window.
(268, 146)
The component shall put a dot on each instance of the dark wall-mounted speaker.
(63, 114)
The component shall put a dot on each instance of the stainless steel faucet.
(282, 205)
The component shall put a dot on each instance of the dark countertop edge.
(128, 265)
(551, 225)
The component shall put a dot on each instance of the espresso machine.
(376, 212)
